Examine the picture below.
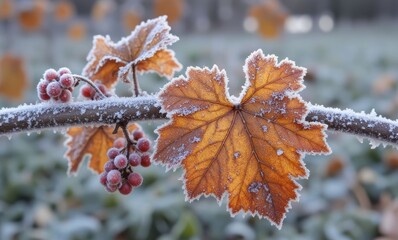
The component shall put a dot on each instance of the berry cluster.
(89, 92)
(119, 171)
(56, 85)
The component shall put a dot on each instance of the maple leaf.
(13, 77)
(249, 147)
(144, 48)
(94, 141)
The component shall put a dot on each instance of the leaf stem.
(27, 118)
(89, 82)
(135, 82)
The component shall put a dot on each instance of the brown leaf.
(13, 77)
(94, 141)
(144, 48)
(249, 147)
(31, 19)
(173, 9)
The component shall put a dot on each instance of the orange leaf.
(31, 19)
(173, 9)
(94, 141)
(77, 31)
(6, 9)
(144, 48)
(63, 11)
(13, 78)
(249, 147)
(270, 18)
(101, 9)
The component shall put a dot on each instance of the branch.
(113, 110)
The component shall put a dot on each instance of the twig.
(89, 82)
(135, 82)
(113, 110)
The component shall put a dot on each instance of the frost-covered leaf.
(145, 48)
(94, 141)
(249, 147)
(13, 77)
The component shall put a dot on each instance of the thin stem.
(117, 110)
(135, 82)
(89, 82)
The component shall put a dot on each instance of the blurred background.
(351, 52)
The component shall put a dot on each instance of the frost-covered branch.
(112, 110)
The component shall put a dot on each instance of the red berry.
(65, 96)
(119, 142)
(102, 88)
(67, 80)
(51, 75)
(111, 188)
(53, 89)
(120, 161)
(112, 153)
(103, 178)
(87, 91)
(145, 160)
(135, 179)
(134, 159)
(114, 177)
(143, 144)
(109, 165)
(137, 134)
(44, 96)
(63, 71)
(126, 188)
(42, 86)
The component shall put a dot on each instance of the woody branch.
(116, 110)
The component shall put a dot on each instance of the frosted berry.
(137, 134)
(87, 91)
(109, 165)
(126, 188)
(63, 71)
(119, 142)
(114, 177)
(111, 188)
(103, 178)
(42, 86)
(67, 80)
(120, 161)
(112, 153)
(65, 96)
(135, 179)
(50, 75)
(143, 144)
(53, 89)
(134, 159)
(145, 160)
(44, 96)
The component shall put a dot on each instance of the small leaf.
(249, 147)
(94, 141)
(63, 11)
(144, 48)
(13, 77)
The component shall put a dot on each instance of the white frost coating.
(195, 139)
(348, 119)
(264, 128)
(29, 117)
(279, 152)
(236, 155)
